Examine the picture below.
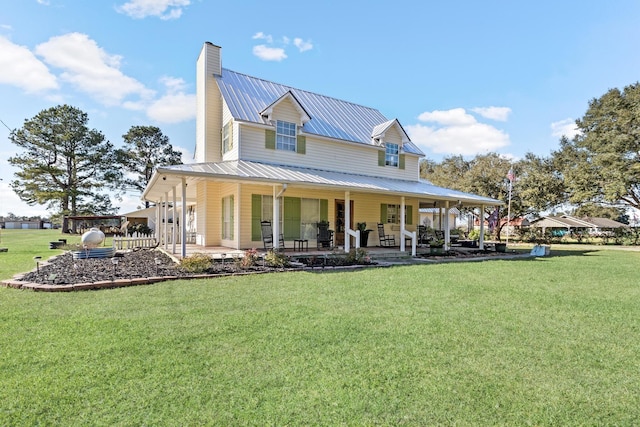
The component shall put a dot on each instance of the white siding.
(325, 154)
(208, 105)
(208, 212)
(286, 111)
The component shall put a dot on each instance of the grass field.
(548, 341)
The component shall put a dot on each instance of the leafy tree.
(146, 148)
(602, 163)
(65, 165)
(538, 186)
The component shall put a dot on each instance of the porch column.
(347, 221)
(275, 226)
(183, 220)
(166, 220)
(159, 223)
(446, 226)
(175, 223)
(481, 241)
(402, 224)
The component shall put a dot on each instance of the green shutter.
(222, 219)
(232, 228)
(256, 217)
(301, 146)
(270, 139)
(401, 161)
(408, 214)
(381, 158)
(324, 210)
(383, 213)
(291, 216)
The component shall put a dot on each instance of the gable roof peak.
(304, 115)
(380, 130)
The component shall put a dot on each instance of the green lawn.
(550, 341)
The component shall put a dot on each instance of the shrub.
(250, 258)
(276, 259)
(357, 256)
(196, 263)
(474, 234)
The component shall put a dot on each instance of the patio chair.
(324, 236)
(267, 236)
(386, 240)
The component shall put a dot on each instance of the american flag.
(510, 175)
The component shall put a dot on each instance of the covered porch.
(220, 205)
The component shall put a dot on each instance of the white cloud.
(267, 53)
(164, 9)
(302, 45)
(566, 127)
(262, 36)
(44, 2)
(175, 106)
(453, 117)
(456, 132)
(500, 114)
(90, 69)
(20, 67)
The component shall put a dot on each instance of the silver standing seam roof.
(249, 171)
(247, 96)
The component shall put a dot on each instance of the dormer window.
(285, 136)
(392, 154)
(227, 141)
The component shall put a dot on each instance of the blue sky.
(462, 77)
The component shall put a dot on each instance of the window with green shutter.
(291, 217)
(301, 147)
(270, 139)
(256, 217)
(390, 214)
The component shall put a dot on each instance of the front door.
(340, 220)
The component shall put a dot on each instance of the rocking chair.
(386, 240)
(267, 236)
(324, 236)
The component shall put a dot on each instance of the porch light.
(114, 261)
(157, 261)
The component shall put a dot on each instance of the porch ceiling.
(165, 179)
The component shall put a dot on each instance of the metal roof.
(247, 171)
(247, 96)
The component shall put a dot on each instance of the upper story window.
(391, 155)
(227, 142)
(285, 136)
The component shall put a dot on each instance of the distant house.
(270, 152)
(434, 218)
(23, 224)
(565, 224)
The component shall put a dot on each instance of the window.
(285, 136)
(392, 214)
(298, 217)
(227, 141)
(391, 154)
(227, 217)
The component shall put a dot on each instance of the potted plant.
(436, 246)
(364, 233)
